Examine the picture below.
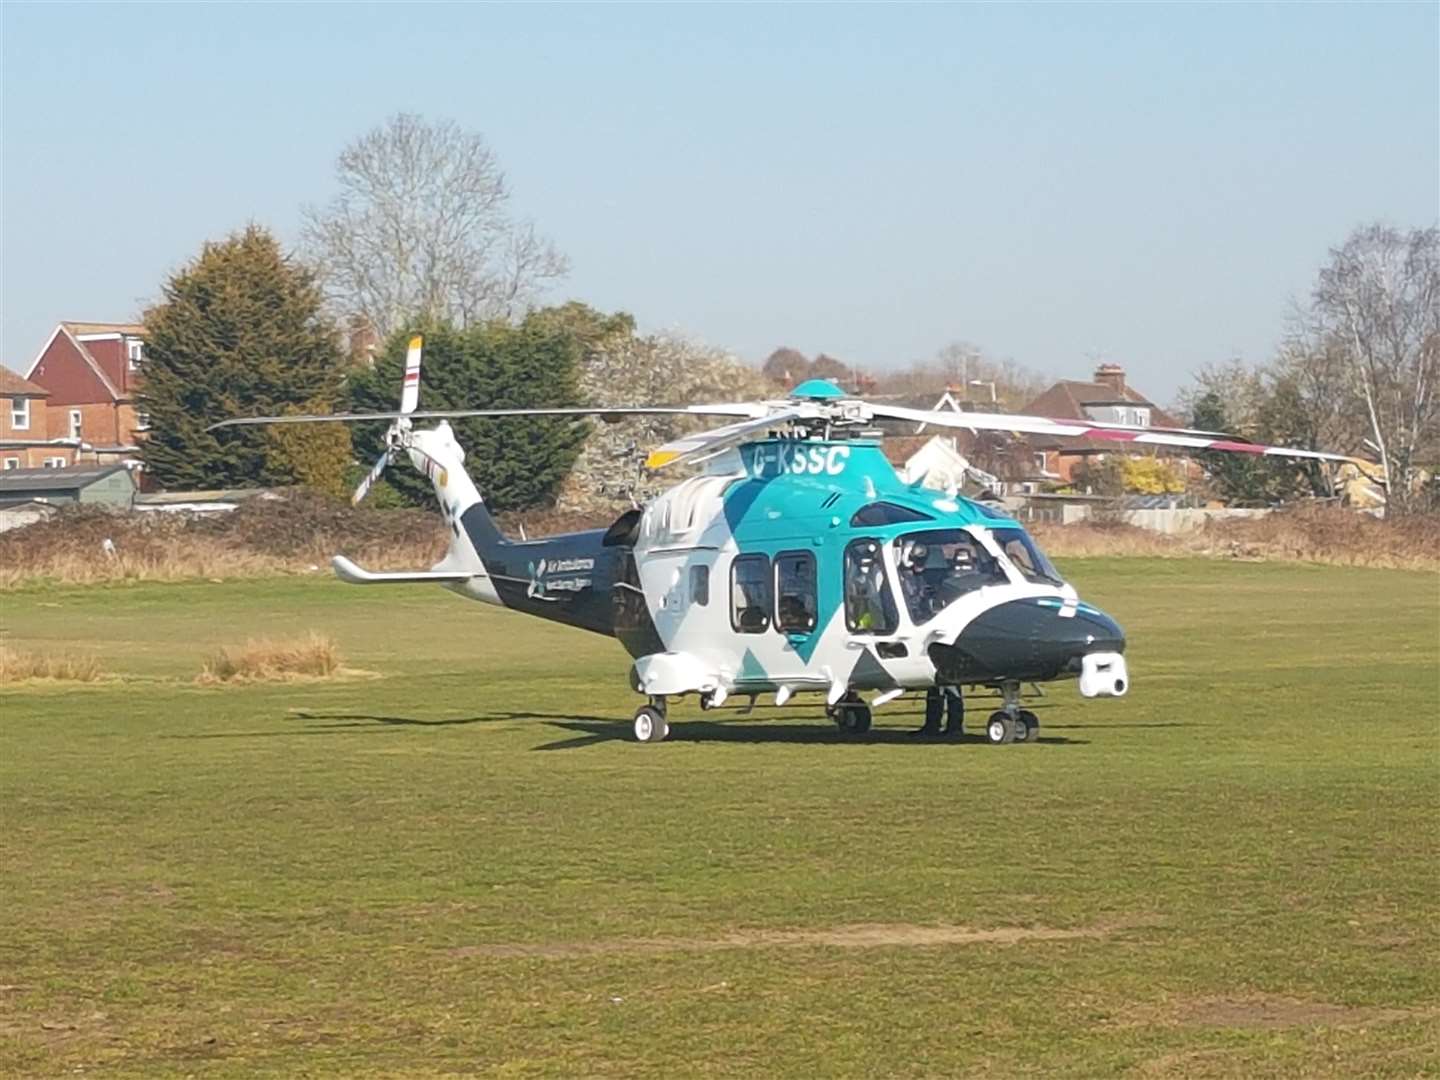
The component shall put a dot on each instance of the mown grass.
(465, 866)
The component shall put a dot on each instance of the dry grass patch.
(18, 666)
(274, 660)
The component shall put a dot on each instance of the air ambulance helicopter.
(794, 561)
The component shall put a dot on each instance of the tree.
(786, 367)
(240, 332)
(517, 462)
(1378, 301)
(420, 230)
(959, 367)
(623, 369)
(317, 456)
(1292, 401)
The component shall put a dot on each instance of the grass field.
(460, 863)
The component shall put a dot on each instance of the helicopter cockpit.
(936, 567)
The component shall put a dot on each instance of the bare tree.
(966, 369)
(1378, 301)
(420, 228)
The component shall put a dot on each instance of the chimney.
(1113, 376)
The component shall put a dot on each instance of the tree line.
(420, 238)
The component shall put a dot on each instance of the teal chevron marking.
(751, 669)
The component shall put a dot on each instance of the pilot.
(918, 583)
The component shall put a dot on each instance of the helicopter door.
(797, 598)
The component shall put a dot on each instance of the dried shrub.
(265, 660)
(18, 666)
(1106, 537)
(1307, 533)
(261, 537)
(1330, 534)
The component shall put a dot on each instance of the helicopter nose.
(1035, 639)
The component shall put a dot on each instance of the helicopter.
(794, 561)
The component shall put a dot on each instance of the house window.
(142, 421)
(77, 419)
(134, 352)
(750, 594)
(1040, 466)
(12, 463)
(55, 463)
(796, 596)
(20, 413)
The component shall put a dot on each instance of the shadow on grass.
(350, 724)
(593, 730)
(590, 733)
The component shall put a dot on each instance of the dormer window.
(1133, 415)
(20, 413)
(134, 352)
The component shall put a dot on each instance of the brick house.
(1106, 398)
(90, 372)
(24, 443)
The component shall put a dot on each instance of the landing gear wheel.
(853, 718)
(1000, 728)
(650, 725)
(1028, 729)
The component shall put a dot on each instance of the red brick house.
(1107, 398)
(90, 373)
(24, 422)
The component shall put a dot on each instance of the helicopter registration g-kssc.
(795, 561)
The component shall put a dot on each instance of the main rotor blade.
(737, 409)
(1095, 429)
(709, 443)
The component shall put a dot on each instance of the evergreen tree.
(238, 333)
(1239, 479)
(517, 462)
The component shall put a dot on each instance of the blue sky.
(1150, 184)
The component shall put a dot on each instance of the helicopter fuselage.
(801, 564)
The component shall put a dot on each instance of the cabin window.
(20, 413)
(796, 597)
(700, 585)
(77, 420)
(750, 594)
(886, 513)
(869, 606)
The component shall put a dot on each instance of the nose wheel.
(1012, 724)
(650, 723)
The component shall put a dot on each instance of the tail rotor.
(397, 436)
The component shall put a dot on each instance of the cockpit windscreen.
(938, 566)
